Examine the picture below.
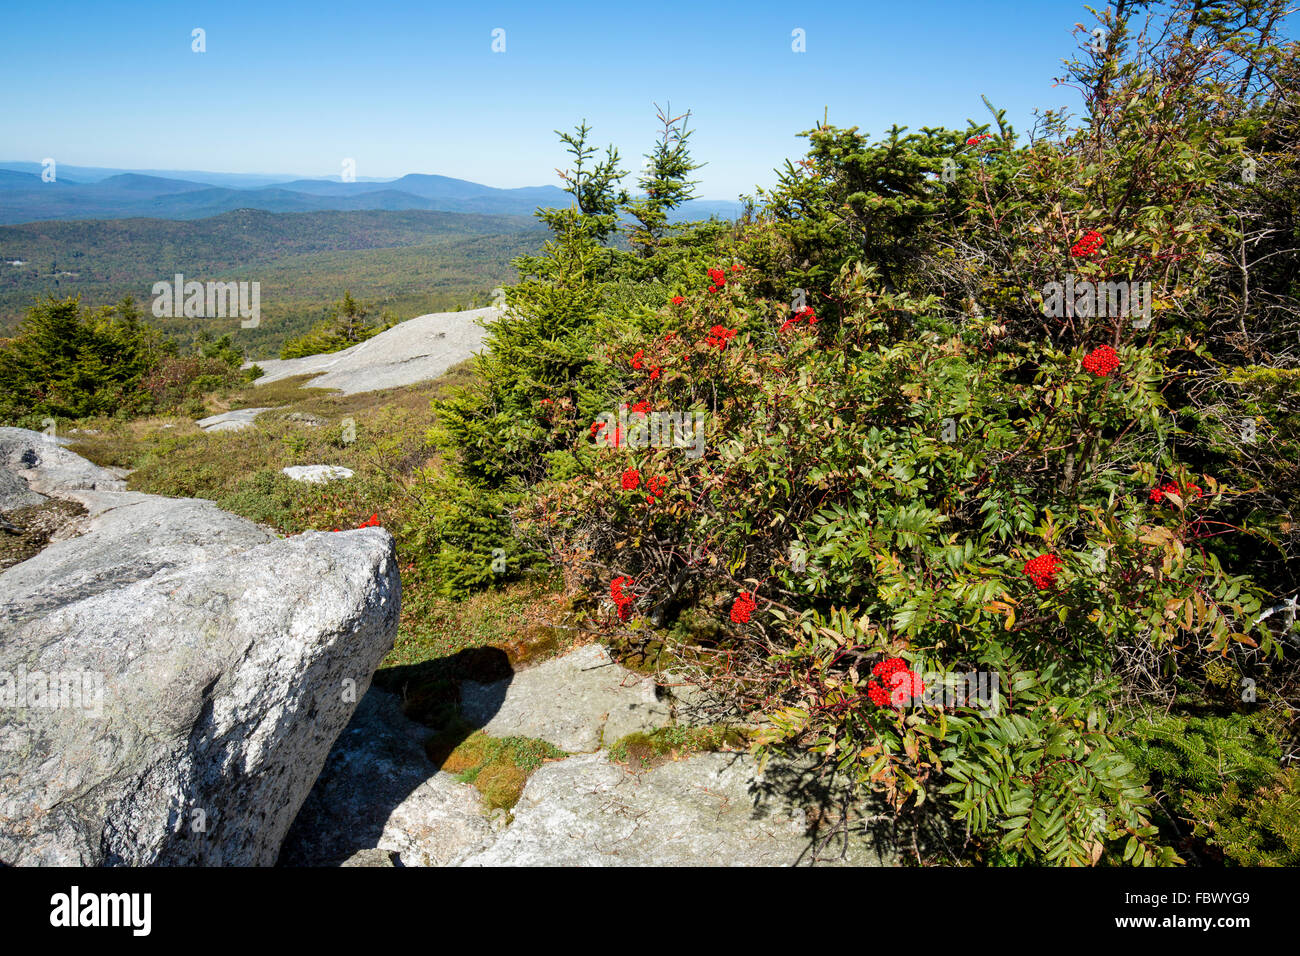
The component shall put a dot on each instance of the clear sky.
(295, 87)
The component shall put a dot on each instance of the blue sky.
(415, 87)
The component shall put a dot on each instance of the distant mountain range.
(85, 192)
(408, 262)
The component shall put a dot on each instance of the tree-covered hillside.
(407, 262)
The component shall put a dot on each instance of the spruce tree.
(66, 362)
(594, 187)
(663, 182)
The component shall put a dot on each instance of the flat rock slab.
(234, 421)
(379, 794)
(47, 468)
(712, 809)
(369, 858)
(579, 702)
(317, 474)
(411, 351)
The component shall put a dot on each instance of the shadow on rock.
(382, 787)
(845, 824)
(430, 691)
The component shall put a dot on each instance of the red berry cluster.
(1171, 487)
(719, 278)
(743, 608)
(894, 674)
(656, 487)
(622, 600)
(617, 438)
(978, 139)
(639, 362)
(720, 335)
(1101, 361)
(1042, 570)
(1087, 247)
(677, 300)
(805, 312)
(631, 481)
(641, 408)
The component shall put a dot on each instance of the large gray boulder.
(172, 677)
(124, 537)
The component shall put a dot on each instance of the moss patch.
(497, 766)
(643, 751)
